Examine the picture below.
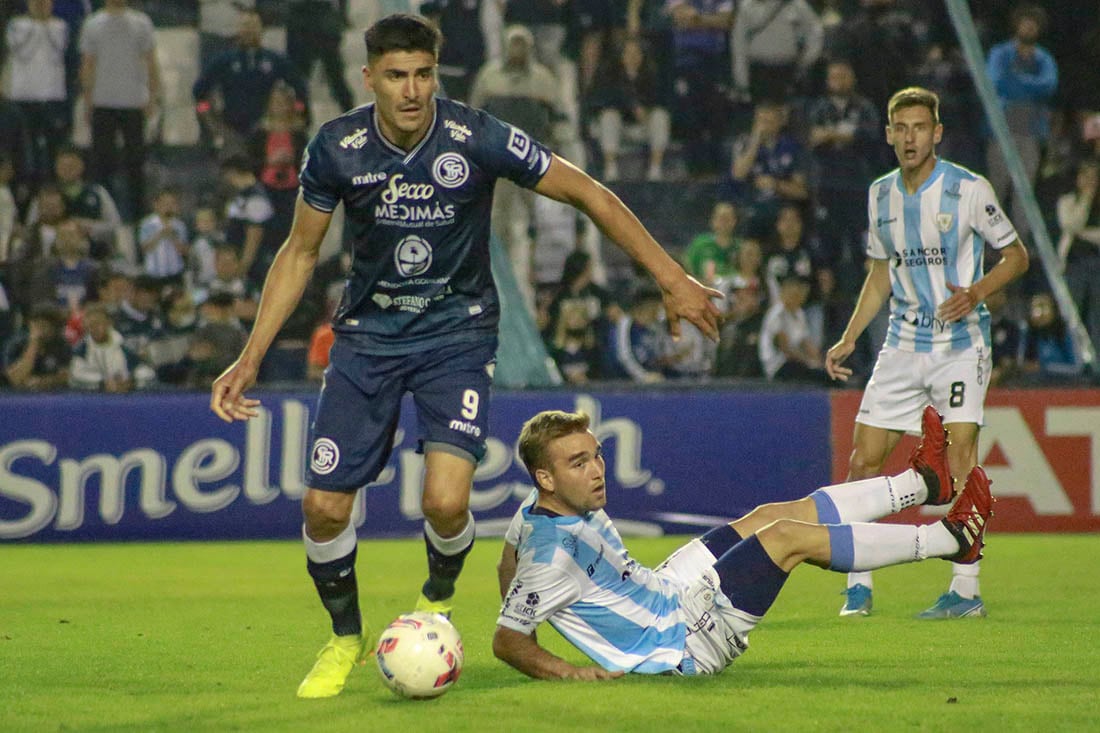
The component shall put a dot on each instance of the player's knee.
(325, 516)
(863, 464)
(781, 540)
(445, 507)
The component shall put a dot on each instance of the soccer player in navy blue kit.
(419, 313)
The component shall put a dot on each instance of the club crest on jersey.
(355, 140)
(413, 256)
(450, 170)
(519, 144)
(944, 222)
(325, 457)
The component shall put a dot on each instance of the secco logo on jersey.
(413, 256)
(398, 190)
(325, 457)
(450, 170)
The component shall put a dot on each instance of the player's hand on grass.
(591, 674)
(961, 302)
(836, 355)
(227, 398)
(694, 301)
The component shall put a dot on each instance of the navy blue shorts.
(357, 412)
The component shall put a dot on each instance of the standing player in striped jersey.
(929, 223)
(419, 314)
(564, 563)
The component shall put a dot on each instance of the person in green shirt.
(713, 254)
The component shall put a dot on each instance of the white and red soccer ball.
(420, 655)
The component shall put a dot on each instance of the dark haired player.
(419, 313)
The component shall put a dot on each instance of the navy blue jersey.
(418, 223)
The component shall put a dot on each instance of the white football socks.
(866, 546)
(869, 499)
(964, 580)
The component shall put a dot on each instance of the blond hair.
(914, 97)
(543, 429)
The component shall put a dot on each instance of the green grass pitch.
(215, 637)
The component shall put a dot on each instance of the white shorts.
(903, 382)
(717, 633)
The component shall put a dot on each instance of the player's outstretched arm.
(684, 296)
(523, 652)
(876, 288)
(286, 281)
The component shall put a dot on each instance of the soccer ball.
(420, 655)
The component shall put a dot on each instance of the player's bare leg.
(330, 550)
(448, 526)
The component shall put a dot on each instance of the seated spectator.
(240, 80)
(168, 353)
(787, 352)
(70, 276)
(139, 317)
(775, 43)
(635, 341)
(38, 358)
(689, 357)
(201, 256)
(748, 270)
(790, 252)
(46, 211)
(248, 218)
(574, 347)
(227, 265)
(711, 255)
(276, 146)
(1049, 355)
(1079, 245)
(162, 237)
(768, 168)
(101, 362)
(576, 285)
(89, 203)
(625, 100)
(216, 342)
(739, 343)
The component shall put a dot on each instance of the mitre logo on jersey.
(519, 144)
(325, 457)
(368, 178)
(355, 140)
(413, 256)
(944, 222)
(450, 170)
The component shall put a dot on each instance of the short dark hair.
(401, 32)
(1029, 12)
(541, 430)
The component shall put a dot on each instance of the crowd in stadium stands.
(772, 109)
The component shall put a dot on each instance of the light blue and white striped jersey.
(575, 573)
(935, 236)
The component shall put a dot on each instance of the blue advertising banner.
(162, 467)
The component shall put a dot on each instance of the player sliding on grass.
(419, 313)
(564, 562)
